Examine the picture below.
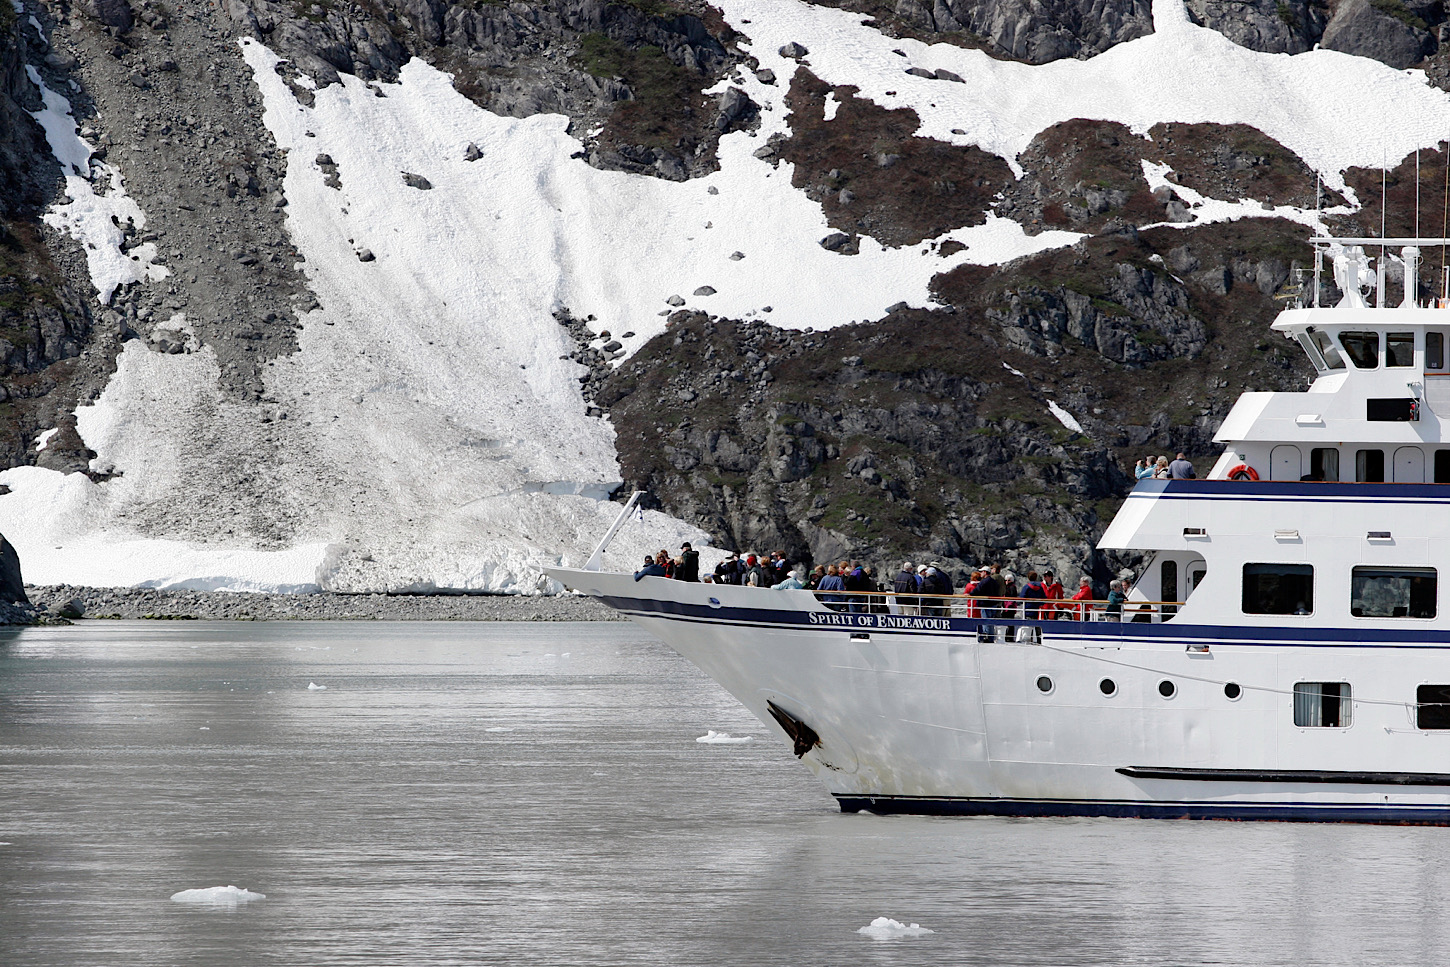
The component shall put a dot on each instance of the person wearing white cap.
(792, 582)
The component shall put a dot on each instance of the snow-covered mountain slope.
(429, 430)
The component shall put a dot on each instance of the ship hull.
(935, 715)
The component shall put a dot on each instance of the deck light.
(1195, 532)
(1286, 535)
(1379, 536)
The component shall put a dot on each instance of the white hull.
(921, 718)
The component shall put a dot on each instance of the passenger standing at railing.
(1084, 593)
(974, 579)
(905, 588)
(855, 579)
(935, 587)
(1053, 588)
(989, 589)
(832, 582)
(1033, 592)
(1116, 597)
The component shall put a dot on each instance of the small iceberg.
(722, 738)
(314, 687)
(885, 928)
(497, 728)
(218, 896)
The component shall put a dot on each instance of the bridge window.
(1278, 589)
(1322, 705)
(1432, 707)
(1328, 350)
(1324, 463)
(1400, 592)
(1363, 348)
(1400, 349)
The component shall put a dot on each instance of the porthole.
(1044, 684)
(1108, 686)
(1232, 691)
(1167, 689)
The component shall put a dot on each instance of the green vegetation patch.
(664, 92)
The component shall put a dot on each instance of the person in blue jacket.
(650, 568)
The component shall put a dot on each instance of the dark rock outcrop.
(1386, 30)
(12, 586)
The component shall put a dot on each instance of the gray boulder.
(794, 51)
(1271, 26)
(112, 13)
(1397, 38)
(12, 586)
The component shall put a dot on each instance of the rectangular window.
(1434, 350)
(1432, 707)
(1369, 466)
(1393, 410)
(1400, 349)
(1363, 348)
(1392, 592)
(1322, 705)
(1328, 350)
(1278, 589)
(1442, 466)
(1324, 463)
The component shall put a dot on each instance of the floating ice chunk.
(204, 728)
(218, 896)
(1064, 417)
(314, 687)
(1014, 372)
(722, 738)
(497, 728)
(885, 928)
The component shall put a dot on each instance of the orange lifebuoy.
(1243, 472)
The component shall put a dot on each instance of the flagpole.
(597, 557)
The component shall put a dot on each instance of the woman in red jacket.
(1054, 590)
(1084, 593)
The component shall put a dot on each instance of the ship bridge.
(1379, 407)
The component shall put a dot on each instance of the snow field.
(1333, 110)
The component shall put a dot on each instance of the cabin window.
(1324, 463)
(1442, 466)
(1168, 586)
(1328, 350)
(1322, 705)
(1434, 350)
(1369, 466)
(1363, 348)
(1392, 592)
(1312, 351)
(1400, 349)
(1432, 707)
(1278, 589)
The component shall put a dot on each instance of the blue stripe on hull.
(1285, 812)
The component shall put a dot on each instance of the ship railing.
(1006, 611)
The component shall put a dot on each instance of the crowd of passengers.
(922, 589)
(1161, 468)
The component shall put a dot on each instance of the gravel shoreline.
(237, 606)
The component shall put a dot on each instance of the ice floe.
(885, 928)
(218, 896)
(314, 687)
(712, 737)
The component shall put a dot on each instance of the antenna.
(1417, 192)
(1379, 297)
(1445, 222)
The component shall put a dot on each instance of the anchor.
(804, 737)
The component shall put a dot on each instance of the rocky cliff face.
(918, 434)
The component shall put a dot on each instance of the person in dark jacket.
(650, 569)
(935, 582)
(856, 580)
(689, 569)
(990, 588)
(1033, 592)
(831, 582)
(905, 588)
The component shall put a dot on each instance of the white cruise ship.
(1283, 655)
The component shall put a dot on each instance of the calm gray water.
(389, 821)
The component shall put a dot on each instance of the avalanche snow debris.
(93, 219)
(1333, 110)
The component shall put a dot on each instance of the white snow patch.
(1207, 210)
(1333, 110)
(39, 28)
(218, 896)
(832, 105)
(712, 737)
(314, 687)
(1013, 371)
(1064, 417)
(43, 441)
(93, 219)
(885, 928)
